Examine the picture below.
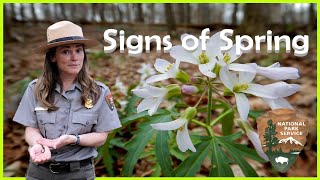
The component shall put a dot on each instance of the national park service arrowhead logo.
(282, 133)
(109, 101)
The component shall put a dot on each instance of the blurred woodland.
(25, 29)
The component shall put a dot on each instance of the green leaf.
(250, 153)
(191, 165)
(232, 137)
(177, 154)
(162, 153)
(226, 119)
(143, 114)
(255, 114)
(219, 164)
(131, 109)
(138, 143)
(237, 156)
(107, 157)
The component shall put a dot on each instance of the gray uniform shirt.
(71, 118)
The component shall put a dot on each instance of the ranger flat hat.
(64, 32)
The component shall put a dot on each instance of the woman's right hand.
(40, 153)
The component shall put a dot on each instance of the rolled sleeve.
(108, 118)
(25, 113)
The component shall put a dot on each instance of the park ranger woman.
(66, 113)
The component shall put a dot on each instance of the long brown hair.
(46, 84)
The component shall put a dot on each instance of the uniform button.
(87, 123)
(66, 111)
(41, 121)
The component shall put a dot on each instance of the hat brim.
(88, 43)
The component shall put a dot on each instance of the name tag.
(41, 109)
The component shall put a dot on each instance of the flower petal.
(251, 67)
(153, 109)
(283, 89)
(183, 140)
(156, 78)
(260, 91)
(213, 45)
(278, 73)
(242, 105)
(205, 70)
(146, 104)
(227, 78)
(155, 91)
(246, 77)
(232, 54)
(180, 54)
(172, 125)
(254, 138)
(161, 65)
(277, 103)
(143, 93)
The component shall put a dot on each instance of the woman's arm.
(32, 135)
(93, 139)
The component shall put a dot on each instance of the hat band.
(70, 38)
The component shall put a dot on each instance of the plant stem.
(204, 91)
(229, 104)
(208, 128)
(209, 111)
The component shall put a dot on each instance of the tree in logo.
(270, 136)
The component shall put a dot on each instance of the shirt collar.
(72, 87)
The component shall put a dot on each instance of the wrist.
(75, 139)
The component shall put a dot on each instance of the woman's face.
(69, 59)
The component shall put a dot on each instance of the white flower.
(153, 96)
(168, 70)
(276, 72)
(254, 138)
(146, 70)
(281, 89)
(244, 85)
(227, 59)
(205, 60)
(122, 88)
(183, 139)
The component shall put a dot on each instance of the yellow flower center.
(168, 68)
(203, 58)
(226, 58)
(240, 87)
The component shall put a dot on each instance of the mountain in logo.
(291, 140)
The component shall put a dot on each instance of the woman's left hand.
(57, 143)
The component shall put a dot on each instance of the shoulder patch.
(109, 101)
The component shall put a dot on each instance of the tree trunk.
(181, 13)
(255, 19)
(312, 24)
(120, 13)
(33, 13)
(139, 13)
(56, 12)
(63, 11)
(188, 14)
(101, 13)
(13, 12)
(152, 13)
(7, 24)
(22, 12)
(234, 13)
(170, 18)
(94, 7)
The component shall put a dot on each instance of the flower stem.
(209, 110)
(228, 103)
(205, 89)
(208, 128)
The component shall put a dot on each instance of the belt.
(59, 167)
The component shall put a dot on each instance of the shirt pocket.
(47, 124)
(83, 123)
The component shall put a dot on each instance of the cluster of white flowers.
(221, 67)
